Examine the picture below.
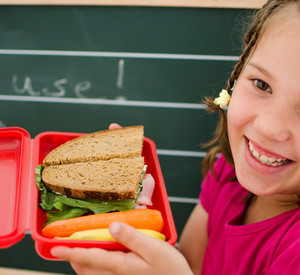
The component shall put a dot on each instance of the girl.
(248, 217)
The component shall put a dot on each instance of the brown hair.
(251, 38)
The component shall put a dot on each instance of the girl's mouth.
(263, 159)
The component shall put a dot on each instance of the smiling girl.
(248, 217)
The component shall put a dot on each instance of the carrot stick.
(138, 218)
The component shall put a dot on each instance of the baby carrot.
(138, 218)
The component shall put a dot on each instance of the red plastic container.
(19, 156)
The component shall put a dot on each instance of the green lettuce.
(59, 207)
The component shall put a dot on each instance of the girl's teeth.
(264, 159)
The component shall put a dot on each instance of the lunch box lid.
(16, 176)
(19, 196)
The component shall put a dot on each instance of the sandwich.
(94, 173)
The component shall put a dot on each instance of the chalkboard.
(79, 68)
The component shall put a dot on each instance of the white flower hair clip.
(223, 99)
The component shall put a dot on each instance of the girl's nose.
(273, 123)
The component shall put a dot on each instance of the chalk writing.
(27, 87)
(82, 87)
(58, 84)
(121, 71)
(2, 124)
(56, 89)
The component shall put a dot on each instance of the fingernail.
(53, 252)
(114, 228)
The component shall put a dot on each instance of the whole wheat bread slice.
(116, 143)
(105, 165)
(114, 179)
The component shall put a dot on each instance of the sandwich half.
(123, 142)
(113, 179)
(98, 172)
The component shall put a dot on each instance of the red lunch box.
(19, 196)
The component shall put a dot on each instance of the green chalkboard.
(79, 68)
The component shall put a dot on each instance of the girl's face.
(264, 113)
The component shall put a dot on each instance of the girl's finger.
(141, 244)
(82, 270)
(93, 258)
(114, 126)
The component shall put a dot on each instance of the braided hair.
(251, 38)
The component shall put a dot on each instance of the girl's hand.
(147, 256)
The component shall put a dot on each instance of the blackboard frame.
(240, 4)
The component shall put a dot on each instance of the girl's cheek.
(239, 113)
(234, 108)
(241, 103)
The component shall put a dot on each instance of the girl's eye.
(262, 85)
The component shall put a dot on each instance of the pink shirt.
(268, 247)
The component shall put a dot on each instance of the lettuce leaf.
(66, 213)
(60, 207)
